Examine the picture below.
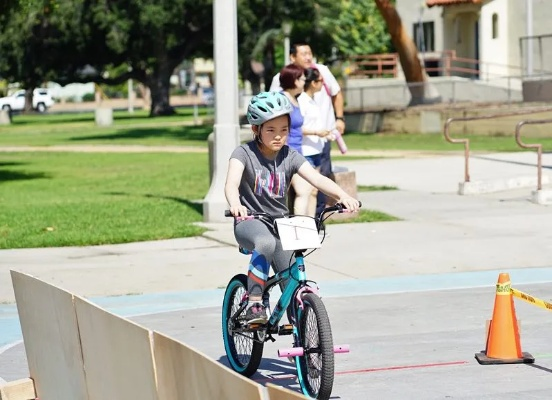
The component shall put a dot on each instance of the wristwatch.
(341, 118)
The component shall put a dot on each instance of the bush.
(89, 97)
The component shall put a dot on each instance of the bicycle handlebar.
(338, 207)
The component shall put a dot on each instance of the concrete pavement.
(444, 241)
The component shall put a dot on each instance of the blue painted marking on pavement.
(10, 330)
(133, 305)
(154, 303)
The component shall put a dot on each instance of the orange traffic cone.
(503, 342)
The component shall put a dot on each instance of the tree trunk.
(160, 96)
(268, 63)
(420, 90)
(159, 83)
(28, 100)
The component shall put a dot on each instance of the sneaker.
(256, 314)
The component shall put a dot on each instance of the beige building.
(484, 39)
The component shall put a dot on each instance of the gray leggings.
(256, 235)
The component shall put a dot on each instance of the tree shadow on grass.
(194, 205)
(199, 132)
(60, 119)
(10, 163)
(8, 175)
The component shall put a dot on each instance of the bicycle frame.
(296, 277)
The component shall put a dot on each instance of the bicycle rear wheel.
(244, 348)
(315, 368)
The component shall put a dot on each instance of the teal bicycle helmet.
(266, 106)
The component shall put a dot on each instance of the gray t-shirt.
(265, 183)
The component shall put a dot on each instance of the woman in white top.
(314, 132)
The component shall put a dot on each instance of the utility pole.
(226, 129)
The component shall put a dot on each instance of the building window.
(424, 36)
(495, 25)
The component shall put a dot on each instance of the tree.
(146, 41)
(261, 39)
(357, 29)
(31, 34)
(80, 40)
(421, 91)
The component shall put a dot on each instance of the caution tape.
(503, 288)
(530, 299)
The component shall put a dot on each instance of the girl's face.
(317, 84)
(273, 134)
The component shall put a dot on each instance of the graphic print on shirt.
(271, 183)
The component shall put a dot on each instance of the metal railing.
(374, 65)
(441, 63)
(466, 141)
(537, 146)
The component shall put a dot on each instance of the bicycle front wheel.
(244, 348)
(315, 369)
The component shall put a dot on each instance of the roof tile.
(431, 3)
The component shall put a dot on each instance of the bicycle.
(313, 349)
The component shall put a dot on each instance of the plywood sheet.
(22, 389)
(51, 338)
(281, 393)
(184, 373)
(117, 353)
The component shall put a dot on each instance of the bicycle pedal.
(286, 329)
(255, 326)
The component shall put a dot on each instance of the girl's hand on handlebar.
(350, 203)
(238, 211)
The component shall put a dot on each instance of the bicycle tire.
(243, 349)
(315, 369)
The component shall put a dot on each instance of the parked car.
(42, 100)
(208, 96)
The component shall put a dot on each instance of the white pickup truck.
(42, 100)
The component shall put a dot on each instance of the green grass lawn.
(176, 130)
(438, 143)
(67, 199)
(80, 129)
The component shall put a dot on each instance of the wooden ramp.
(51, 338)
(117, 353)
(78, 351)
(184, 373)
(281, 393)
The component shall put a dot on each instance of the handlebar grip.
(341, 205)
(227, 213)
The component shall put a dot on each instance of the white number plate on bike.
(298, 233)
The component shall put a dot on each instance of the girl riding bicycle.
(258, 179)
